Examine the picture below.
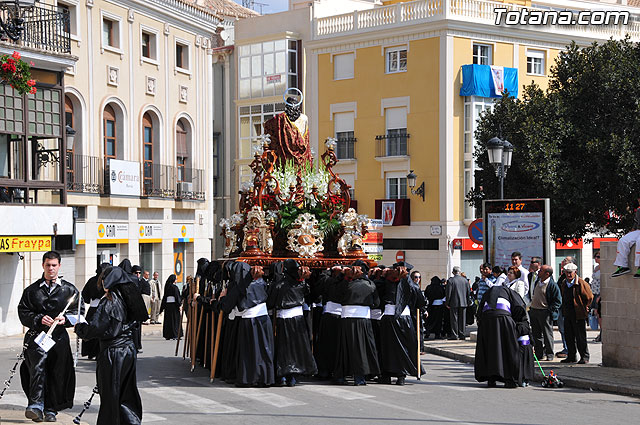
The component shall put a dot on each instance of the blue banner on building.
(477, 80)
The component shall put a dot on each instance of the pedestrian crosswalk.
(188, 399)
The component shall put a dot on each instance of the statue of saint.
(290, 133)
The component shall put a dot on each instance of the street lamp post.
(500, 153)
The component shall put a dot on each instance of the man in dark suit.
(534, 268)
(458, 291)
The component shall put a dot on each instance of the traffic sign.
(399, 256)
(476, 231)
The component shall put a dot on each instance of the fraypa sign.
(124, 177)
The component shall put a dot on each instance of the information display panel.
(516, 225)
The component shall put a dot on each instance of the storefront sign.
(150, 233)
(124, 177)
(183, 232)
(113, 232)
(274, 79)
(25, 243)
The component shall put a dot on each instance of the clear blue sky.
(270, 6)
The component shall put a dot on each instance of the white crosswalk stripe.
(192, 401)
(332, 391)
(265, 396)
(150, 417)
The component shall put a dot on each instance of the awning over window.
(479, 80)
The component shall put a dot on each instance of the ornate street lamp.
(500, 153)
(12, 19)
(411, 181)
(71, 135)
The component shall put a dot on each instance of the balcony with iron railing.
(158, 180)
(191, 184)
(392, 145)
(84, 174)
(346, 148)
(45, 28)
(468, 11)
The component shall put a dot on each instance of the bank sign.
(25, 243)
(113, 232)
(124, 177)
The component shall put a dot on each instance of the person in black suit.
(458, 291)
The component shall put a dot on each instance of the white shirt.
(55, 281)
(524, 276)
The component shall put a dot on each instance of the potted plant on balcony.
(17, 73)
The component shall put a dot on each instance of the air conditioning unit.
(185, 187)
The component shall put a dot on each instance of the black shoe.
(548, 358)
(384, 380)
(510, 384)
(400, 380)
(583, 361)
(491, 384)
(568, 360)
(33, 413)
(620, 271)
(291, 382)
(50, 417)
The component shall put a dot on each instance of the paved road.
(447, 394)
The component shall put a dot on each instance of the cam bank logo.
(183, 231)
(519, 226)
(101, 231)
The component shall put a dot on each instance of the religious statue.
(353, 227)
(289, 132)
(257, 233)
(305, 238)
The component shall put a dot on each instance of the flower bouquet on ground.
(17, 73)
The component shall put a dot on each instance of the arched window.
(68, 119)
(147, 153)
(182, 150)
(110, 134)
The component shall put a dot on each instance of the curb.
(586, 384)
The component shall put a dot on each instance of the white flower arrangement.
(317, 177)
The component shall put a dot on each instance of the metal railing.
(84, 174)
(192, 185)
(46, 28)
(392, 145)
(161, 182)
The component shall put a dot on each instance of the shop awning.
(480, 80)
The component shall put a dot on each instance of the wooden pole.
(199, 315)
(186, 333)
(418, 325)
(206, 342)
(217, 346)
(212, 339)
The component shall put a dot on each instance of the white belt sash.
(257, 311)
(376, 314)
(289, 313)
(305, 307)
(438, 302)
(333, 308)
(390, 310)
(355, 312)
(94, 302)
(171, 299)
(234, 312)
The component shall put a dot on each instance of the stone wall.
(621, 312)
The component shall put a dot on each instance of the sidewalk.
(592, 376)
(13, 414)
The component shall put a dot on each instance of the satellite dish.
(224, 35)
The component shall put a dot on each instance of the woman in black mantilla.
(113, 325)
(171, 326)
(292, 343)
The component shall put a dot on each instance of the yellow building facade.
(388, 88)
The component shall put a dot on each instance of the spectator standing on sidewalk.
(545, 303)
(435, 295)
(516, 260)
(624, 247)
(156, 298)
(534, 267)
(515, 282)
(576, 299)
(486, 281)
(595, 289)
(563, 353)
(457, 292)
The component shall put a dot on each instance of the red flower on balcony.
(17, 73)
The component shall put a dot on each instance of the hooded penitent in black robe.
(49, 377)
(226, 367)
(171, 326)
(137, 331)
(292, 343)
(254, 356)
(525, 351)
(91, 295)
(435, 293)
(497, 347)
(325, 349)
(113, 325)
(398, 336)
(356, 353)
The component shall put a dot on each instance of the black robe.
(90, 292)
(525, 351)
(398, 336)
(435, 321)
(292, 342)
(497, 357)
(356, 353)
(49, 377)
(325, 348)
(254, 355)
(171, 326)
(111, 325)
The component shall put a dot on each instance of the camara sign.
(124, 177)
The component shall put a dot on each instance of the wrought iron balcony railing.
(159, 180)
(45, 28)
(84, 174)
(190, 184)
(346, 148)
(388, 145)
